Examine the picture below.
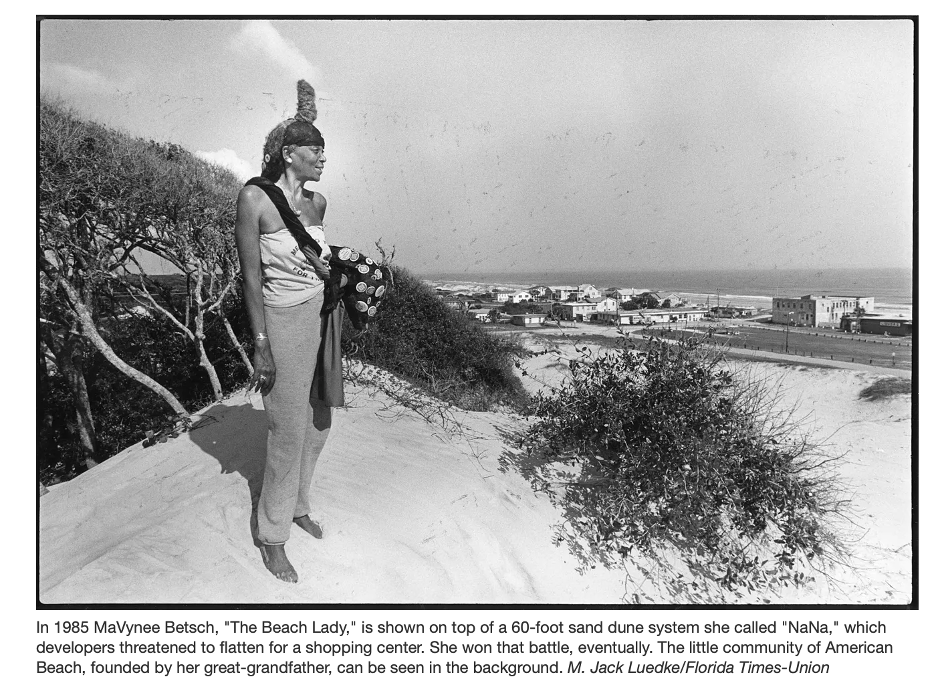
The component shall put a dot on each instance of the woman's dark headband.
(302, 134)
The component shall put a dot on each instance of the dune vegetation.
(663, 452)
(125, 355)
(887, 388)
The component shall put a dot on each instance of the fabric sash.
(327, 383)
(273, 191)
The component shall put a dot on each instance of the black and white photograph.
(477, 311)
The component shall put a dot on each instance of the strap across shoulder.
(303, 238)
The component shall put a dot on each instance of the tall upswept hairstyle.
(297, 130)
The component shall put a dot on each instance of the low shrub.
(677, 454)
(417, 337)
(886, 388)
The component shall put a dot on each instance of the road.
(865, 349)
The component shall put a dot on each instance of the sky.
(538, 145)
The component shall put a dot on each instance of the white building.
(480, 314)
(576, 310)
(646, 316)
(561, 292)
(621, 294)
(674, 299)
(517, 297)
(525, 319)
(588, 292)
(815, 310)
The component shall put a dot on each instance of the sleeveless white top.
(288, 278)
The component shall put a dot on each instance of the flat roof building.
(646, 316)
(480, 314)
(815, 311)
(575, 310)
(878, 324)
(524, 319)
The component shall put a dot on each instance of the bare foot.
(310, 526)
(274, 558)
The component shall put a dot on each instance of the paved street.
(875, 350)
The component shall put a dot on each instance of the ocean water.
(892, 288)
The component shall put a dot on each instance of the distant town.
(542, 304)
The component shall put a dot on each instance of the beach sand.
(422, 512)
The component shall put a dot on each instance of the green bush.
(676, 453)
(417, 337)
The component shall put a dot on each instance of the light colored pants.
(297, 429)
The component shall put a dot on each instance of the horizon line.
(686, 270)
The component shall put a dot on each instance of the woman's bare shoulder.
(250, 209)
(318, 201)
(251, 203)
(251, 195)
(316, 197)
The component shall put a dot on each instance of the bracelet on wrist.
(260, 336)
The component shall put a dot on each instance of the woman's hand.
(264, 375)
(322, 268)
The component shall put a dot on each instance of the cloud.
(228, 159)
(261, 37)
(71, 78)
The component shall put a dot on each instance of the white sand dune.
(413, 512)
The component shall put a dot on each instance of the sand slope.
(414, 512)
(411, 512)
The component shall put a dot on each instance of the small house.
(528, 319)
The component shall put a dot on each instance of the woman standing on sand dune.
(285, 267)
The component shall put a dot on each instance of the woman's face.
(308, 161)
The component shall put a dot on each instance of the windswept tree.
(88, 230)
(191, 214)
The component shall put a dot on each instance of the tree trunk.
(208, 367)
(69, 362)
(237, 345)
(90, 331)
(203, 359)
(79, 388)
